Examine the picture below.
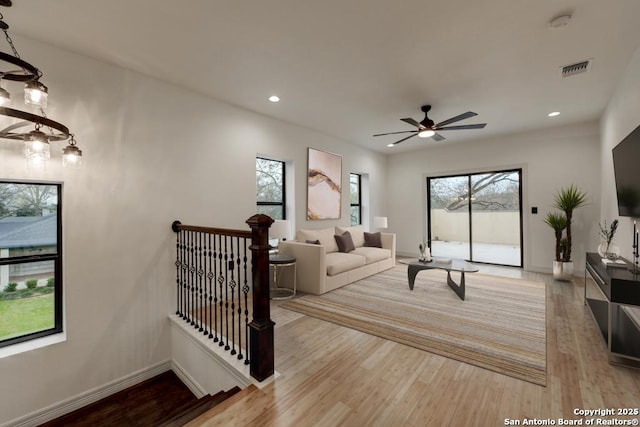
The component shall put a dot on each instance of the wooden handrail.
(178, 226)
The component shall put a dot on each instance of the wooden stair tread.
(159, 401)
(221, 407)
(196, 408)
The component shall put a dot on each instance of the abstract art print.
(324, 185)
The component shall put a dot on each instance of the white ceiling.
(354, 68)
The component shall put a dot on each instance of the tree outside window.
(30, 261)
(270, 188)
(355, 186)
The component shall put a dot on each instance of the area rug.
(499, 326)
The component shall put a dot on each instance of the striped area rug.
(500, 326)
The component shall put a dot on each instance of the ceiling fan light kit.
(428, 129)
(36, 140)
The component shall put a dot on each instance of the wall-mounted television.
(626, 165)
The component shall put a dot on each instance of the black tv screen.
(626, 165)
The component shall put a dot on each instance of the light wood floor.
(331, 375)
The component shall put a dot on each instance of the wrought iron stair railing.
(222, 289)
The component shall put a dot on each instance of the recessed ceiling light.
(391, 145)
(274, 98)
(553, 114)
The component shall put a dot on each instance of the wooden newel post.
(261, 327)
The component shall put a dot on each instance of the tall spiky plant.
(558, 222)
(568, 199)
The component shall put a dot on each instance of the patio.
(482, 252)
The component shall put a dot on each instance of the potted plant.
(558, 222)
(567, 200)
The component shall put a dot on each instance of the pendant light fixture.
(35, 130)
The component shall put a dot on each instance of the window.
(270, 188)
(355, 185)
(30, 261)
(477, 217)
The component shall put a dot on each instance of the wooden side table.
(279, 261)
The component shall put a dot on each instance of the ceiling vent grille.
(577, 68)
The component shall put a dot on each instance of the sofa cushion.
(373, 240)
(339, 262)
(324, 235)
(372, 255)
(357, 234)
(344, 242)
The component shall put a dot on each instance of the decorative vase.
(425, 253)
(608, 251)
(562, 270)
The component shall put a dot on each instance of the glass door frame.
(468, 175)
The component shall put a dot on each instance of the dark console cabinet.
(613, 297)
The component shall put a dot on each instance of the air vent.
(577, 68)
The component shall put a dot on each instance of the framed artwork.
(324, 185)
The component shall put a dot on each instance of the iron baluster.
(178, 268)
(215, 290)
(239, 346)
(200, 277)
(192, 270)
(187, 310)
(232, 285)
(209, 276)
(220, 282)
(226, 292)
(245, 290)
(184, 273)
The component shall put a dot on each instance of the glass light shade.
(5, 97)
(280, 229)
(36, 145)
(36, 163)
(380, 222)
(35, 93)
(426, 133)
(71, 157)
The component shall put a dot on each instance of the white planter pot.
(562, 270)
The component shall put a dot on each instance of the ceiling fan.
(427, 128)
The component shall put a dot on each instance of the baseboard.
(83, 399)
(188, 380)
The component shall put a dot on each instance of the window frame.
(359, 204)
(283, 203)
(57, 259)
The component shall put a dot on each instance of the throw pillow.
(313, 242)
(345, 242)
(372, 240)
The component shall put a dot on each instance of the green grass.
(26, 315)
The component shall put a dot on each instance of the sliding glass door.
(477, 217)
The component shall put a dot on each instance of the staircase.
(194, 409)
(159, 401)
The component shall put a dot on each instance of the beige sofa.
(321, 267)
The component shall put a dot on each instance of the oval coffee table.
(449, 265)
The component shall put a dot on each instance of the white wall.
(550, 159)
(620, 118)
(153, 153)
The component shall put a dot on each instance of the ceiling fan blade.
(478, 126)
(438, 137)
(393, 133)
(412, 122)
(456, 118)
(404, 139)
